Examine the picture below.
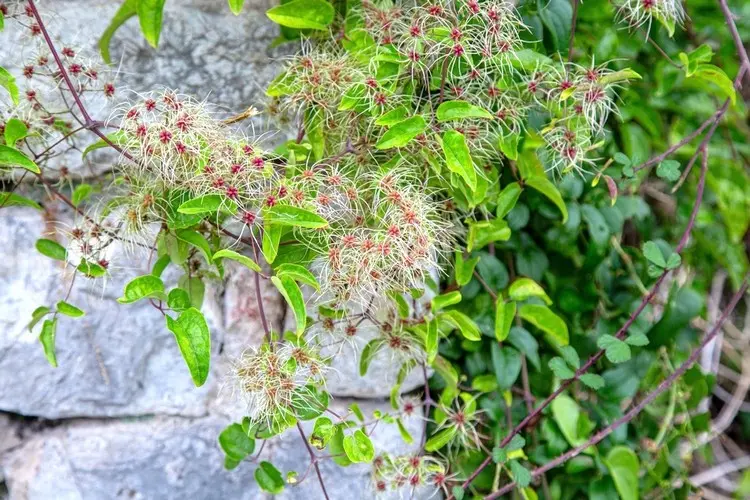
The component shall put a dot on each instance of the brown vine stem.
(572, 37)
(620, 333)
(630, 415)
(313, 459)
(89, 123)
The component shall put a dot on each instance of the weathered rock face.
(126, 419)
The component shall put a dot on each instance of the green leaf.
(323, 431)
(669, 170)
(517, 442)
(440, 439)
(12, 157)
(268, 477)
(506, 363)
(716, 76)
(464, 268)
(653, 254)
(509, 145)
(507, 199)
(529, 60)
(47, 338)
(143, 287)
(125, 12)
(457, 157)
(504, 315)
(545, 186)
(615, 349)
(622, 75)
(622, 159)
(674, 261)
(460, 110)
(623, 464)
(560, 368)
(80, 193)
(91, 269)
(550, 323)
(463, 323)
(637, 339)
(149, 15)
(287, 215)
(445, 300)
(484, 232)
(293, 296)
(702, 54)
(236, 443)
(15, 130)
(51, 249)
(309, 402)
(358, 447)
(314, 125)
(210, 203)
(521, 475)
(69, 309)
(367, 355)
(37, 315)
(303, 14)
(178, 300)
(557, 17)
(271, 241)
(570, 356)
(499, 455)
(226, 253)
(525, 288)
(458, 492)
(484, 383)
(400, 134)
(197, 240)
(298, 273)
(597, 225)
(404, 432)
(393, 117)
(566, 413)
(592, 380)
(236, 6)
(16, 200)
(194, 340)
(8, 82)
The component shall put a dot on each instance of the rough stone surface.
(165, 458)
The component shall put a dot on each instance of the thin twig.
(313, 460)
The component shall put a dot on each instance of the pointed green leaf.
(624, 467)
(16, 200)
(236, 443)
(303, 14)
(287, 215)
(47, 338)
(226, 253)
(149, 15)
(445, 300)
(507, 199)
(548, 322)
(293, 295)
(400, 134)
(69, 309)
(484, 232)
(464, 268)
(457, 157)
(194, 340)
(268, 477)
(236, 6)
(8, 82)
(358, 447)
(460, 110)
(504, 315)
(11, 157)
(298, 273)
(125, 12)
(545, 186)
(524, 288)
(210, 203)
(37, 315)
(143, 287)
(15, 130)
(463, 323)
(51, 249)
(440, 439)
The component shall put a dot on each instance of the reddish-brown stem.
(313, 460)
(633, 412)
(572, 31)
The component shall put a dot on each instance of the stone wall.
(120, 417)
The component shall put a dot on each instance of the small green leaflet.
(8, 82)
(236, 444)
(484, 232)
(143, 287)
(268, 477)
(400, 134)
(669, 170)
(226, 253)
(69, 309)
(462, 323)
(525, 288)
(545, 186)
(37, 316)
(505, 312)
(287, 215)
(293, 296)
(194, 340)
(615, 349)
(303, 14)
(464, 268)
(550, 323)
(51, 249)
(125, 12)
(47, 338)
(445, 300)
(118, 138)
(358, 447)
(15, 130)
(271, 240)
(521, 475)
(81, 192)
(16, 200)
(457, 157)
(210, 203)
(236, 6)
(507, 199)
(623, 465)
(393, 117)
(11, 157)
(149, 15)
(440, 439)
(460, 110)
